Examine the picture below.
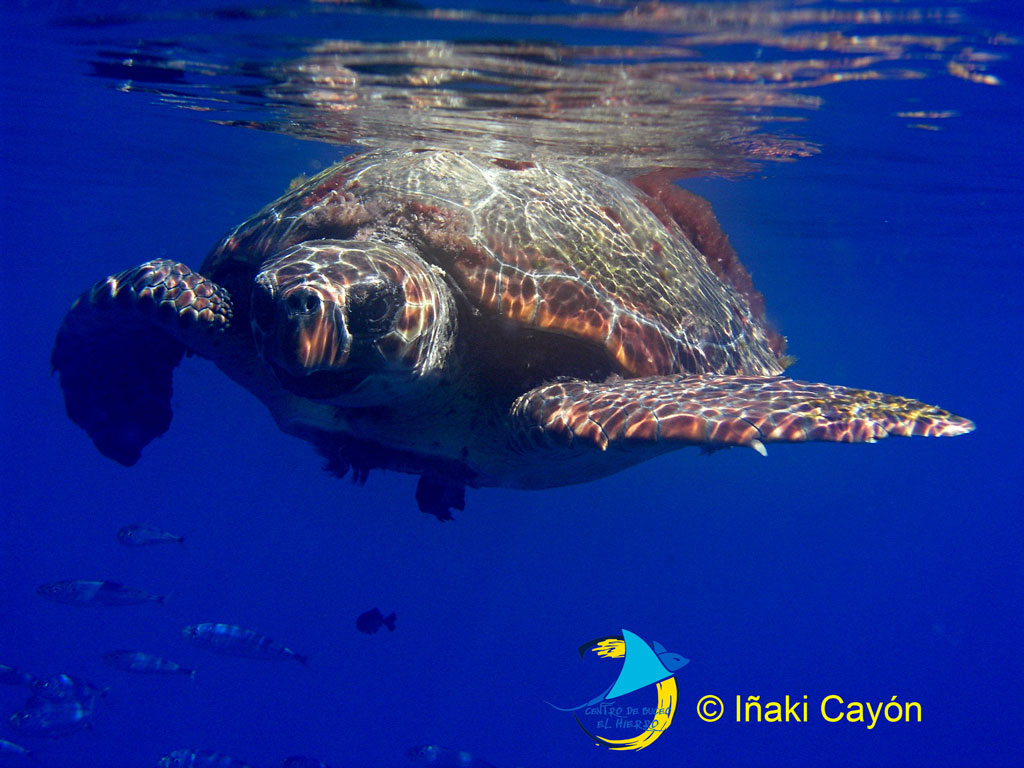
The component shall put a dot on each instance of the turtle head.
(353, 323)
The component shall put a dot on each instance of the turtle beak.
(303, 339)
(309, 335)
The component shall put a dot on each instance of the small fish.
(303, 762)
(41, 717)
(106, 593)
(143, 536)
(236, 641)
(66, 688)
(10, 748)
(373, 620)
(445, 757)
(199, 758)
(145, 663)
(14, 676)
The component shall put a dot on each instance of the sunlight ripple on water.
(695, 87)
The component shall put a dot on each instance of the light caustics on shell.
(713, 87)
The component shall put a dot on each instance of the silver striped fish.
(237, 641)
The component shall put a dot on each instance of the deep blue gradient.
(891, 260)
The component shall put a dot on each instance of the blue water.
(890, 259)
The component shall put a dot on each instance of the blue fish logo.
(643, 665)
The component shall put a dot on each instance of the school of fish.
(60, 704)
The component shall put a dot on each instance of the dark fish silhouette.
(144, 663)
(106, 593)
(42, 717)
(236, 641)
(14, 676)
(445, 757)
(373, 620)
(142, 536)
(199, 758)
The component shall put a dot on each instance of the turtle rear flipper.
(718, 411)
(118, 346)
(438, 497)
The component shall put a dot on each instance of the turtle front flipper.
(717, 411)
(119, 343)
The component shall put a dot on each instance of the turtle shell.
(558, 247)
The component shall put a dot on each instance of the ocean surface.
(865, 160)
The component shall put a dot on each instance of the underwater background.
(878, 202)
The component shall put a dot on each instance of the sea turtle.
(469, 319)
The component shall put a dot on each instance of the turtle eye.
(372, 307)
